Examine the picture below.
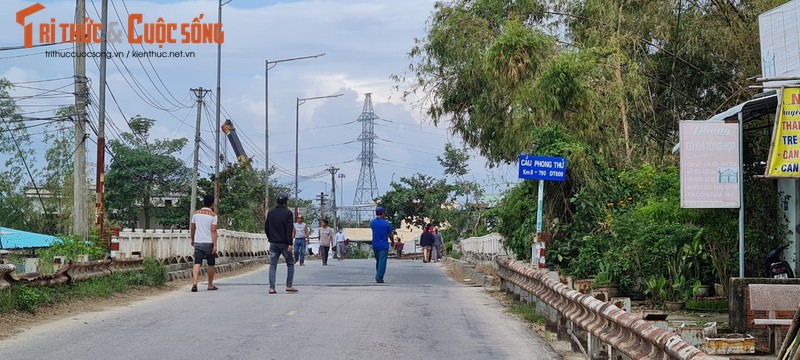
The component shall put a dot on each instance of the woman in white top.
(325, 241)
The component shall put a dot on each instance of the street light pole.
(341, 189)
(267, 64)
(301, 101)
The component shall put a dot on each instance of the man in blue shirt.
(381, 231)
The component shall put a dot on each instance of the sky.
(364, 42)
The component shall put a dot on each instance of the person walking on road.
(204, 240)
(398, 245)
(341, 249)
(279, 230)
(325, 241)
(300, 235)
(437, 245)
(381, 232)
(426, 241)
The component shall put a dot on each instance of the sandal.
(291, 289)
(213, 288)
(194, 288)
(272, 291)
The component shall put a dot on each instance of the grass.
(715, 305)
(21, 298)
(355, 252)
(527, 312)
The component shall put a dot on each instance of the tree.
(464, 219)
(16, 210)
(417, 200)
(143, 173)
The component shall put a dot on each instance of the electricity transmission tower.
(367, 188)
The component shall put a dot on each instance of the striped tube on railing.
(121, 266)
(88, 270)
(5, 275)
(628, 333)
(41, 280)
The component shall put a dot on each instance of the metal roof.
(762, 104)
(18, 239)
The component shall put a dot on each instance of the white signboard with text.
(709, 164)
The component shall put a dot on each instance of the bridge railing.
(176, 247)
(485, 247)
(625, 332)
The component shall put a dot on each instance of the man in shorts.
(204, 240)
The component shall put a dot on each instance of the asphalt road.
(339, 313)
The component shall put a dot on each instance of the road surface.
(339, 313)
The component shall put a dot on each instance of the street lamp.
(267, 66)
(341, 189)
(301, 101)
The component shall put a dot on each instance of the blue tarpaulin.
(18, 239)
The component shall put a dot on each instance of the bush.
(154, 274)
(30, 299)
(69, 247)
(355, 252)
(454, 254)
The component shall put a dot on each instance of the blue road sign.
(542, 168)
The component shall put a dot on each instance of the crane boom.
(238, 150)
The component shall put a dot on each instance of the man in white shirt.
(204, 240)
(341, 251)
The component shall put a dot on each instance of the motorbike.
(776, 267)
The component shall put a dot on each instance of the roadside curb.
(230, 264)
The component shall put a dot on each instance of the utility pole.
(333, 171)
(219, 96)
(80, 223)
(101, 126)
(200, 93)
(321, 199)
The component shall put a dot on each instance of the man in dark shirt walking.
(278, 228)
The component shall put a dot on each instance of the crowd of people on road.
(288, 236)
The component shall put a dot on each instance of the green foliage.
(608, 102)
(454, 254)
(656, 289)
(154, 274)
(241, 205)
(31, 299)
(70, 247)
(714, 305)
(143, 173)
(527, 312)
(416, 200)
(355, 252)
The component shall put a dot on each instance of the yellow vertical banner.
(784, 152)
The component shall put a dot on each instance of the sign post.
(541, 168)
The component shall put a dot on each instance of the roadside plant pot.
(703, 291)
(605, 292)
(674, 305)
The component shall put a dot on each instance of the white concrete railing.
(177, 246)
(487, 246)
